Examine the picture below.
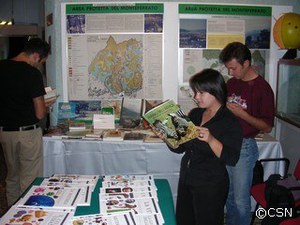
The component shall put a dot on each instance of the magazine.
(171, 123)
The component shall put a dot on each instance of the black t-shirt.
(19, 84)
(200, 165)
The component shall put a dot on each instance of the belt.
(23, 128)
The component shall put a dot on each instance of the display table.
(164, 195)
(130, 157)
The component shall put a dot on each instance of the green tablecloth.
(164, 197)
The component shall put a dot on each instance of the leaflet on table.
(52, 197)
(128, 189)
(137, 183)
(68, 182)
(171, 123)
(39, 216)
(127, 218)
(116, 219)
(85, 194)
(127, 177)
(75, 177)
(150, 219)
(138, 206)
(135, 195)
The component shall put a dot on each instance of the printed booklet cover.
(169, 120)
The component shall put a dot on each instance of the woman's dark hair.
(37, 45)
(235, 50)
(211, 81)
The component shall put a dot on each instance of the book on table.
(113, 135)
(171, 123)
(134, 136)
(131, 113)
(152, 138)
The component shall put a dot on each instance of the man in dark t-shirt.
(22, 98)
(251, 100)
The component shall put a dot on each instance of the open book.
(169, 120)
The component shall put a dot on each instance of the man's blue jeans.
(238, 205)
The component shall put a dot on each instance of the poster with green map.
(114, 50)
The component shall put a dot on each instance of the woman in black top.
(203, 182)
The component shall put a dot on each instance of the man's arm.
(39, 107)
(258, 123)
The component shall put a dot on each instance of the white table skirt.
(130, 157)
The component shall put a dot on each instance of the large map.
(117, 69)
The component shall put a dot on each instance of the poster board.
(171, 70)
(112, 50)
(205, 29)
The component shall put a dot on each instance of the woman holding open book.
(203, 183)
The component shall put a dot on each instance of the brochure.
(171, 123)
(52, 197)
(116, 219)
(128, 189)
(39, 216)
(138, 206)
(124, 196)
(127, 177)
(122, 183)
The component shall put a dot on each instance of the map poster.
(114, 50)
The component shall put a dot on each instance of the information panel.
(204, 30)
(114, 50)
